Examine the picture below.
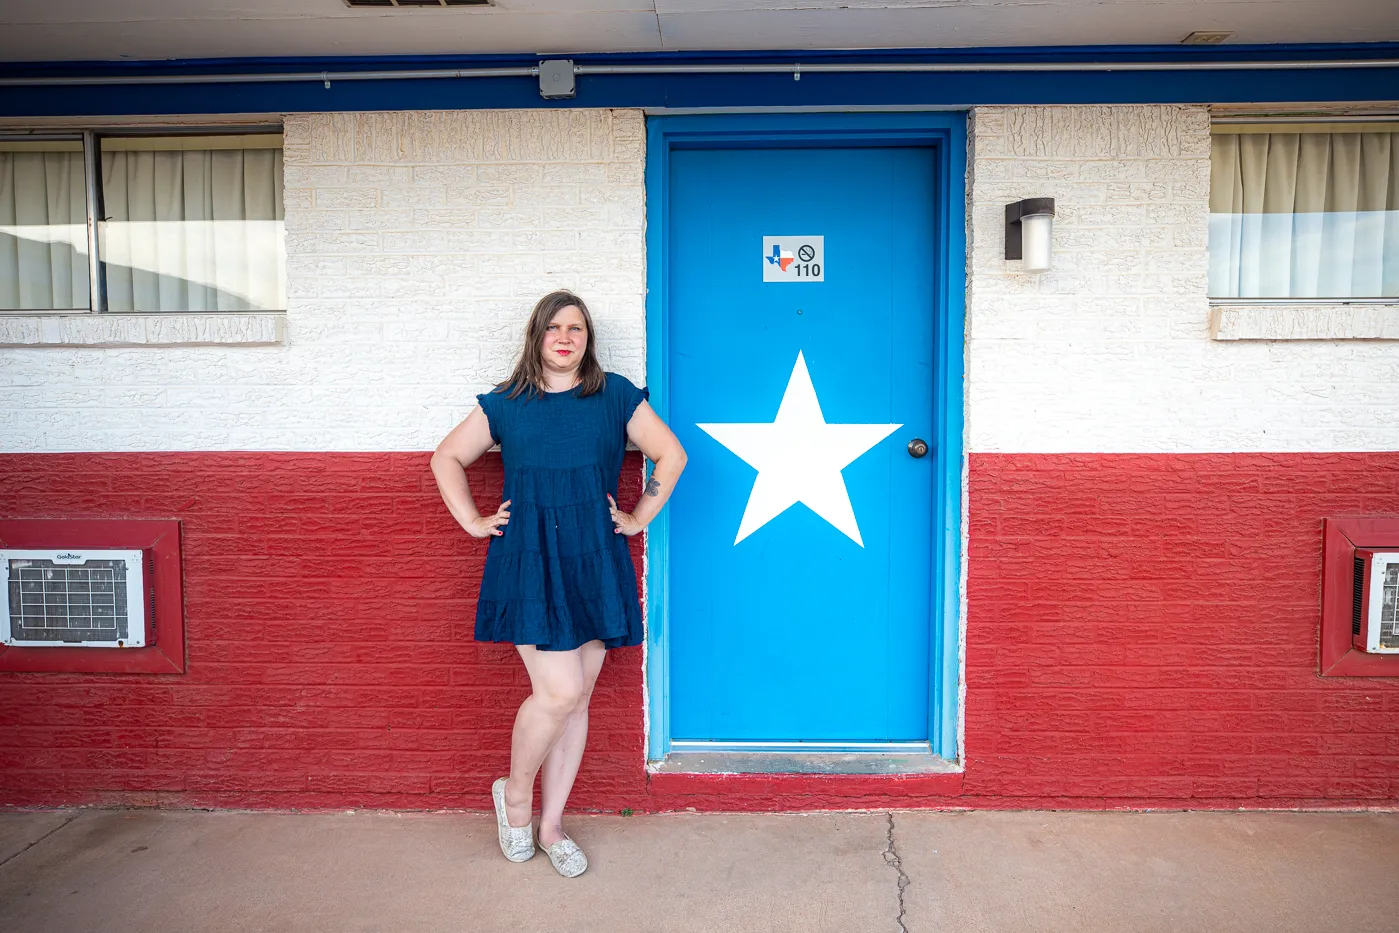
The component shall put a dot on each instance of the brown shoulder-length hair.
(528, 377)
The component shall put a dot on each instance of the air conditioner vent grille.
(51, 602)
(1389, 607)
(1357, 609)
(74, 598)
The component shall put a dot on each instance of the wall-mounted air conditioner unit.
(1375, 619)
(74, 598)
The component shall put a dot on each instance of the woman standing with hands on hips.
(559, 581)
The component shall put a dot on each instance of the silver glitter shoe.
(517, 842)
(567, 859)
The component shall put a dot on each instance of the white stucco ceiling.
(54, 30)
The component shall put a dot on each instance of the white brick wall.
(1111, 352)
(417, 243)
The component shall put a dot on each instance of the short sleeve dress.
(560, 576)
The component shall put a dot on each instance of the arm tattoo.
(653, 487)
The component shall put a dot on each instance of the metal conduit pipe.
(795, 69)
(278, 77)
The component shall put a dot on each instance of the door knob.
(917, 447)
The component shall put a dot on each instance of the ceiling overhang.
(150, 30)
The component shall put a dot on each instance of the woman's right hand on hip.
(486, 526)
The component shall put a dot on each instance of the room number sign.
(794, 259)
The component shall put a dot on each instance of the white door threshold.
(803, 762)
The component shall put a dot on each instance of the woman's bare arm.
(459, 450)
(660, 445)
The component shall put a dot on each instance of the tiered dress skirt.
(560, 576)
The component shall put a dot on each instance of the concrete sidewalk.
(90, 871)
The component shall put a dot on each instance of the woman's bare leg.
(561, 764)
(558, 685)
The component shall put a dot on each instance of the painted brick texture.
(329, 602)
(1145, 628)
(417, 242)
(1142, 611)
(1111, 351)
(1142, 632)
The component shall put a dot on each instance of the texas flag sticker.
(794, 258)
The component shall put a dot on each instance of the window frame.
(1281, 122)
(91, 138)
(89, 181)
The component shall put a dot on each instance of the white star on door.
(799, 457)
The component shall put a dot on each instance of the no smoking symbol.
(806, 254)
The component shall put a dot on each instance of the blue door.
(800, 349)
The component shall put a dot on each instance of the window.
(1304, 211)
(184, 223)
(43, 226)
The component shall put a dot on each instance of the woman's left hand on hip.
(625, 523)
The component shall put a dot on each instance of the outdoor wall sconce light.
(1029, 224)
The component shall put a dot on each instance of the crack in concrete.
(31, 845)
(892, 859)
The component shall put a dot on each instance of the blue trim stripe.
(658, 534)
(718, 90)
(948, 413)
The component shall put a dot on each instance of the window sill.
(168, 329)
(1304, 320)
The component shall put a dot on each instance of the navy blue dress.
(560, 575)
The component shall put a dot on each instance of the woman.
(559, 581)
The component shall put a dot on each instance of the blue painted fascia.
(1005, 54)
(719, 90)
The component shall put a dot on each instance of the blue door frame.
(946, 134)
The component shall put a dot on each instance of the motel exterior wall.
(1144, 503)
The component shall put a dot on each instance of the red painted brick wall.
(1142, 631)
(329, 601)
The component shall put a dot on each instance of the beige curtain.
(1307, 214)
(192, 229)
(43, 229)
